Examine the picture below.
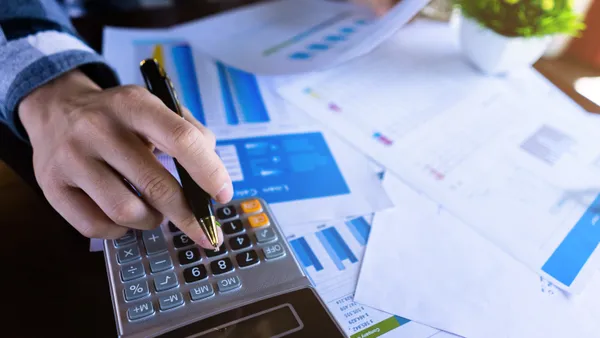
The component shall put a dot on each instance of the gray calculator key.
(140, 310)
(202, 291)
(165, 281)
(128, 238)
(265, 235)
(136, 290)
(273, 251)
(128, 253)
(160, 263)
(229, 283)
(154, 241)
(132, 271)
(170, 301)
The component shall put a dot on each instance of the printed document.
(511, 156)
(424, 264)
(270, 149)
(331, 254)
(289, 36)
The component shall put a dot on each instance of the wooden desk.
(52, 284)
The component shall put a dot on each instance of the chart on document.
(219, 96)
(527, 179)
(330, 255)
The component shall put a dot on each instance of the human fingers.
(380, 7)
(177, 137)
(79, 210)
(128, 155)
(211, 139)
(112, 195)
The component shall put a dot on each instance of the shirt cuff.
(32, 61)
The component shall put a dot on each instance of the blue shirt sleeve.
(37, 44)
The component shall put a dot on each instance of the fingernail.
(225, 194)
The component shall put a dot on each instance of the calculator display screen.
(295, 314)
(272, 322)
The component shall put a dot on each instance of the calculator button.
(214, 253)
(136, 290)
(221, 266)
(273, 251)
(170, 301)
(182, 240)
(229, 283)
(265, 235)
(188, 256)
(251, 206)
(226, 212)
(233, 227)
(140, 311)
(259, 220)
(128, 238)
(239, 242)
(173, 228)
(195, 273)
(247, 258)
(165, 282)
(202, 291)
(128, 253)
(154, 241)
(160, 263)
(132, 271)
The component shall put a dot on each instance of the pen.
(200, 202)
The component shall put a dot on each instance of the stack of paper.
(422, 198)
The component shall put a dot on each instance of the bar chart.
(239, 98)
(330, 255)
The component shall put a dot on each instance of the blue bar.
(340, 246)
(330, 250)
(245, 88)
(186, 73)
(360, 229)
(571, 255)
(305, 253)
(226, 95)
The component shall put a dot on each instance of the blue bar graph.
(305, 254)
(241, 96)
(360, 228)
(336, 247)
(186, 73)
(226, 96)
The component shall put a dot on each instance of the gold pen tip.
(210, 225)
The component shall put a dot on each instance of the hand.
(86, 141)
(380, 7)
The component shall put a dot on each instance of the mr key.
(164, 284)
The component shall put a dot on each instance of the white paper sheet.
(424, 264)
(510, 156)
(290, 36)
(331, 255)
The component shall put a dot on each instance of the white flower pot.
(495, 54)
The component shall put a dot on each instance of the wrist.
(55, 97)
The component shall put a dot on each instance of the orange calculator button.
(259, 220)
(251, 206)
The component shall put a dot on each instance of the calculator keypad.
(239, 242)
(161, 270)
(189, 256)
(195, 273)
(221, 266)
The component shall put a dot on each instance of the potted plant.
(498, 36)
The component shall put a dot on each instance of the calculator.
(163, 284)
